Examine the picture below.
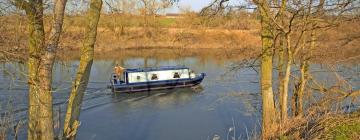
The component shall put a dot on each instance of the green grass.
(345, 131)
(282, 137)
(166, 22)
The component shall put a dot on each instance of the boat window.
(154, 77)
(176, 75)
(138, 77)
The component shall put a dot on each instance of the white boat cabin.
(161, 74)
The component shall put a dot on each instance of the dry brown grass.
(138, 37)
(126, 32)
(218, 56)
(122, 35)
(340, 43)
(322, 126)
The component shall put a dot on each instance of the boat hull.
(158, 85)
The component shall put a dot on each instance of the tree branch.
(21, 4)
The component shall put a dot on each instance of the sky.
(195, 5)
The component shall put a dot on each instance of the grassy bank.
(139, 37)
(125, 31)
(117, 32)
(327, 126)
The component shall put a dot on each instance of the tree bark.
(40, 105)
(285, 80)
(281, 53)
(82, 77)
(45, 72)
(304, 67)
(36, 97)
(268, 113)
(40, 123)
(298, 95)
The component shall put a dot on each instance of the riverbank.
(327, 126)
(124, 31)
(117, 34)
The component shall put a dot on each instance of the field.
(117, 32)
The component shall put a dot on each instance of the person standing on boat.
(118, 70)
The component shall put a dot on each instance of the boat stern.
(203, 74)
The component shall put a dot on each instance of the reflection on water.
(171, 114)
(158, 99)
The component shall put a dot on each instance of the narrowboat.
(157, 78)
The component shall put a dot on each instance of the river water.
(227, 103)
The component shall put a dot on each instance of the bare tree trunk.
(40, 63)
(297, 99)
(82, 77)
(300, 89)
(304, 67)
(285, 80)
(37, 98)
(45, 69)
(268, 113)
(281, 53)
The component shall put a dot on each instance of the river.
(227, 103)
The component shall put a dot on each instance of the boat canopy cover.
(156, 69)
(156, 74)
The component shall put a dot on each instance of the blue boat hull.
(158, 85)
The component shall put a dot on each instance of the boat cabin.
(141, 75)
(148, 79)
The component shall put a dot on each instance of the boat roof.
(156, 68)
